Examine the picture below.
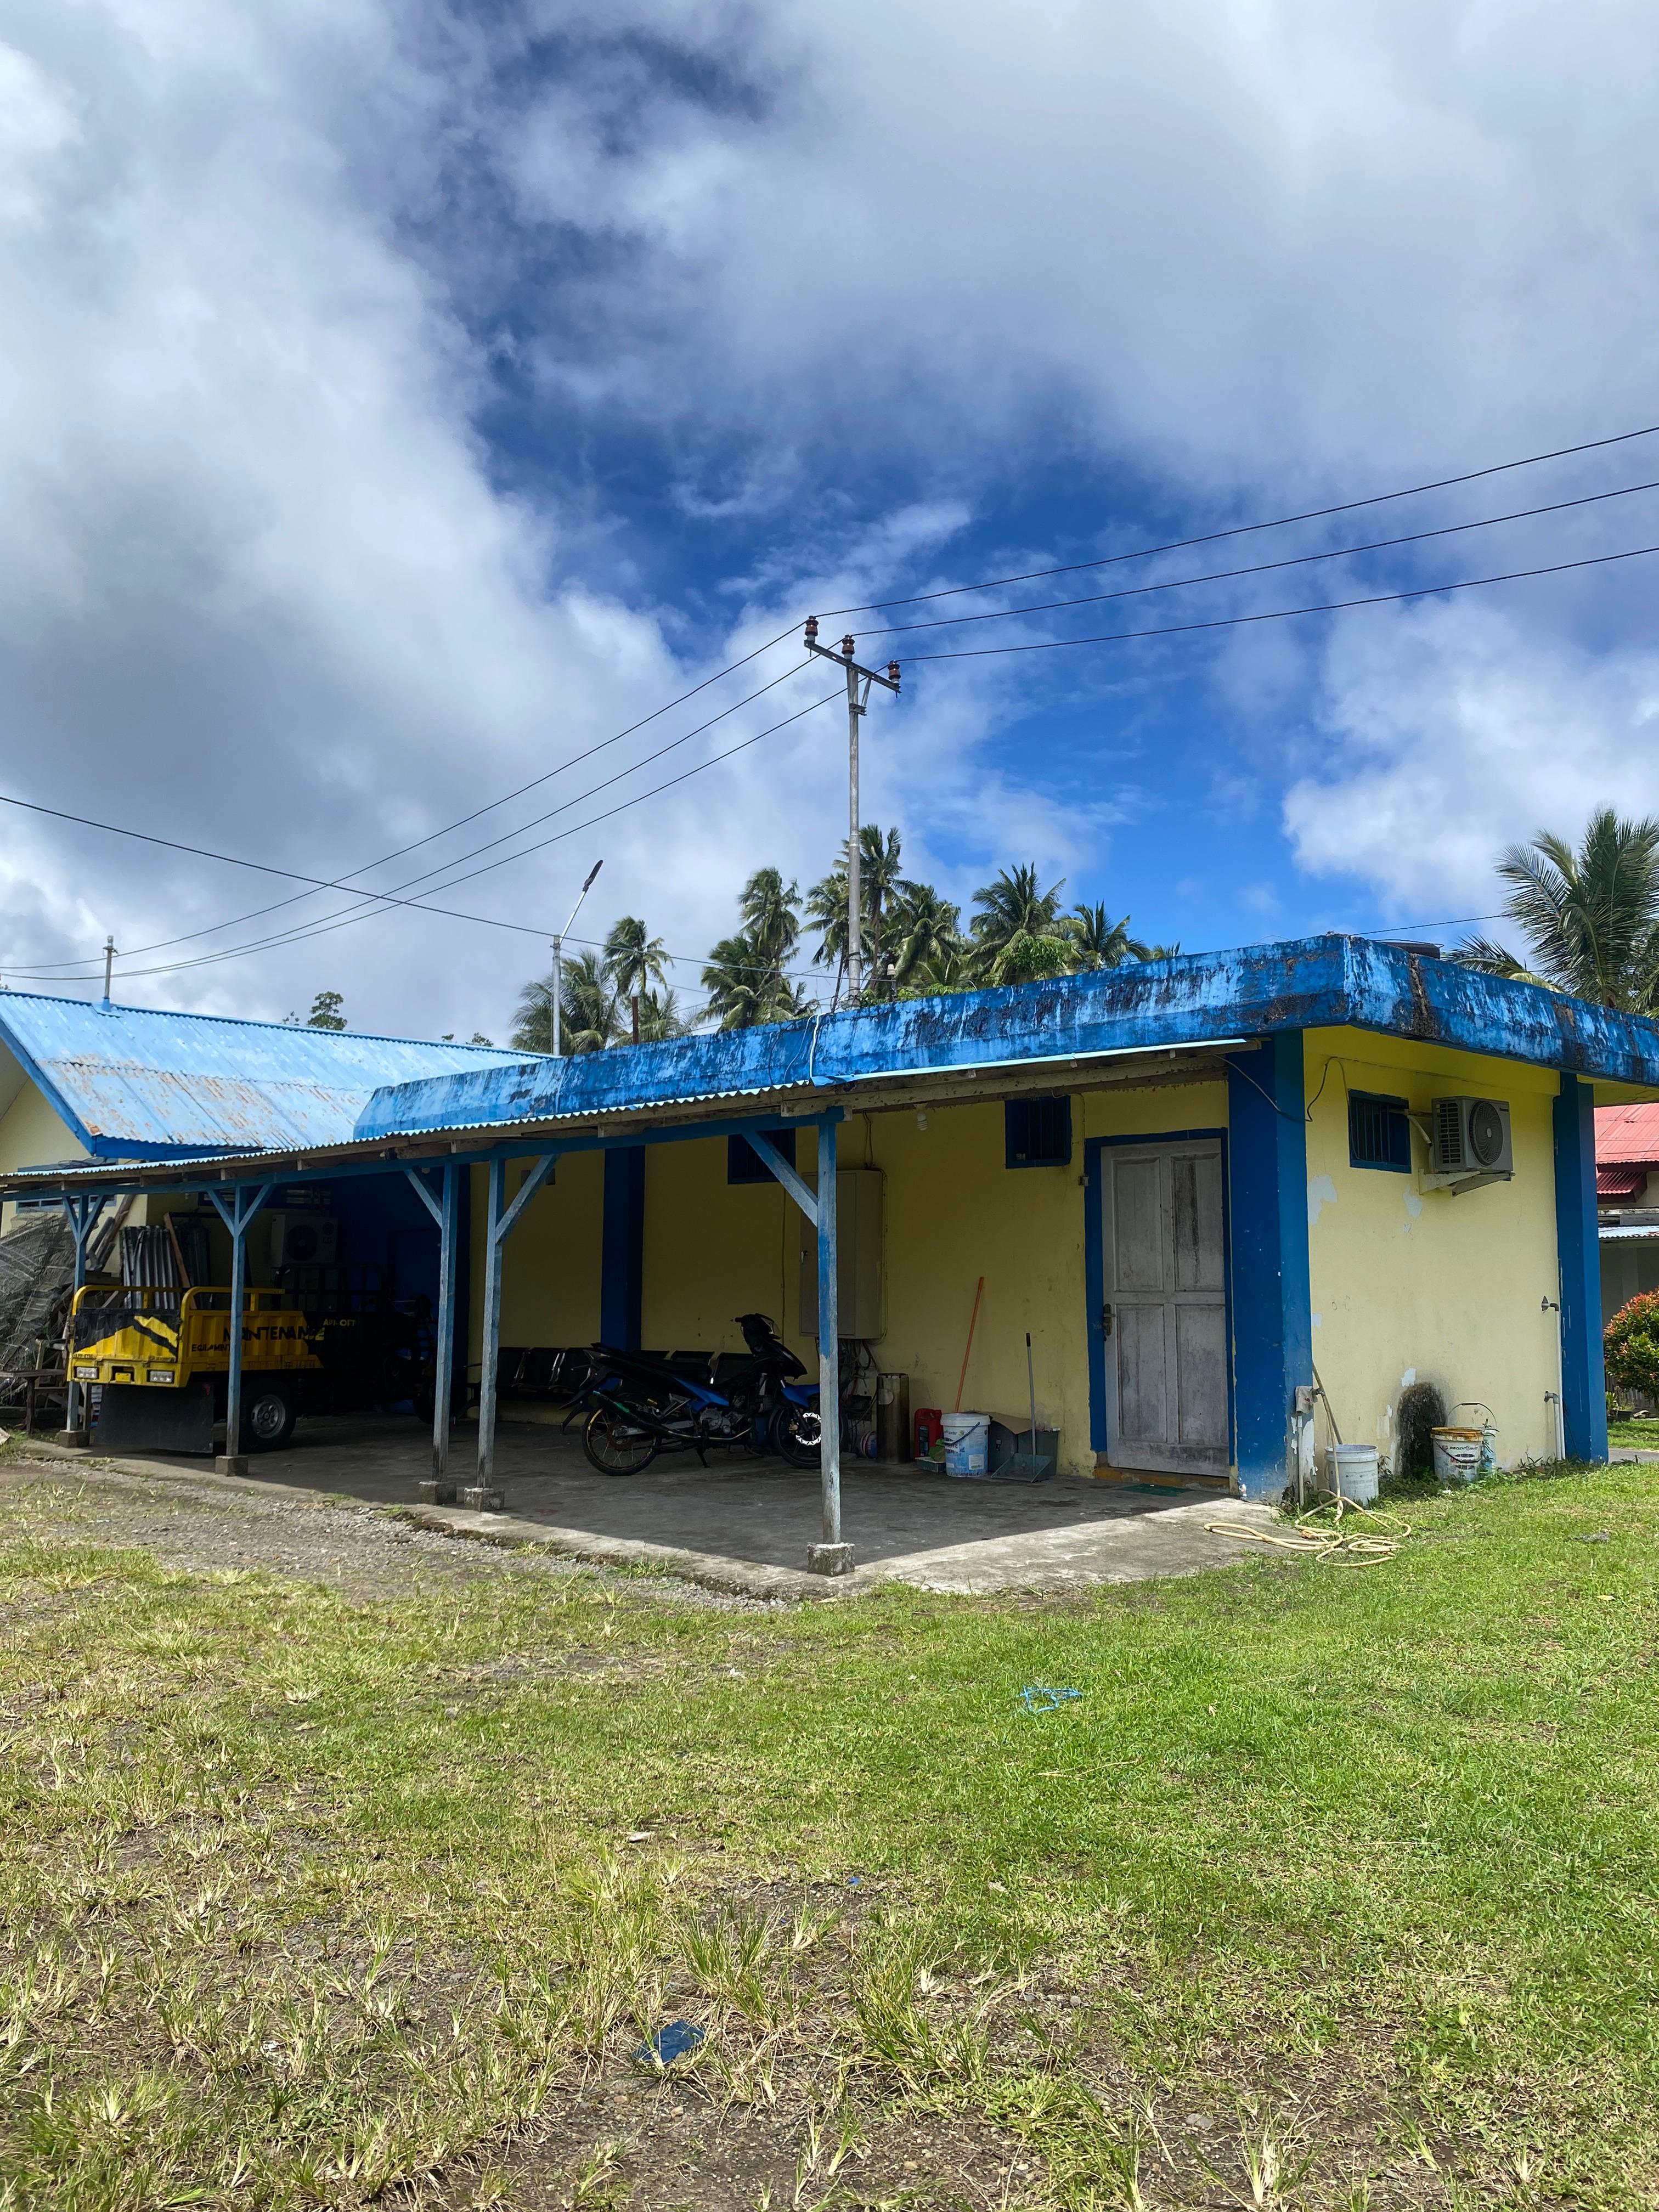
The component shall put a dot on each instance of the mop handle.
(962, 1379)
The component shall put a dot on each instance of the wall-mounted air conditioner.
(304, 1240)
(1469, 1143)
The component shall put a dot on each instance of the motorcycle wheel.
(797, 1432)
(616, 1446)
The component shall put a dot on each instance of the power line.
(344, 882)
(1287, 614)
(371, 900)
(339, 922)
(1245, 529)
(1265, 567)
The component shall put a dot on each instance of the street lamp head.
(592, 872)
(846, 645)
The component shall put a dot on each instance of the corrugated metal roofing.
(1199, 999)
(135, 1083)
(1627, 1134)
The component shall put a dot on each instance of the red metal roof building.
(1627, 1201)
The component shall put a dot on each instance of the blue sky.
(403, 400)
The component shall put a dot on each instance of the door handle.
(1106, 1319)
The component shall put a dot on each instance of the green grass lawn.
(1636, 1428)
(1334, 1886)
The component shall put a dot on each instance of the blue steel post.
(1583, 1380)
(621, 1260)
(832, 1556)
(245, 1203)
(1273, 1325)
(492, 1323)
(80, 1213)
(444, 1349)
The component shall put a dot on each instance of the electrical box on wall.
(304, 1240)
(857, 1238)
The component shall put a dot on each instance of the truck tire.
(268, 1417)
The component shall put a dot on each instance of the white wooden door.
(1164, 1316)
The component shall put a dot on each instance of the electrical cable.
(44, 970)
(1245, 529)
(1265, 567)
(344, 882)
(340, 922)
(1287, 614)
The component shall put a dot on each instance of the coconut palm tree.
(744, 976)
(632, 961)
(1018, 935)
(1100, 942)
(660, 1016)
(587, 1010)
(1591, 917)
(927, 940)
(770, 912)
(880, 860)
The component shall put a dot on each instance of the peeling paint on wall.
(1321, 1192)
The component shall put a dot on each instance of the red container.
(929, 1425)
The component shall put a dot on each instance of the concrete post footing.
(73, 1439)
(230, 1463)
(480, 1497)
(830, 1560)
(435, 1490)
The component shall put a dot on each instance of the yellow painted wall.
(31, 1136)
(1410, 1285)
(952, 1211)
(714, 1249)
(1405, 1284)
(551, 1261)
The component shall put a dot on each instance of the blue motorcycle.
(643, 1404)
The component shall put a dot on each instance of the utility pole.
(558, 956)
(109, 962)
(858, 681)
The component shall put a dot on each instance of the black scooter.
(642, 1406)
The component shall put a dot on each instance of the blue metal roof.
(134, 1083)
(1199, 999)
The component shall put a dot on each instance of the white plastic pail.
(966, 1437)
(1457, 1454)
(1351, 1473)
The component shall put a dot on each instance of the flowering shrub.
(1631, 1342)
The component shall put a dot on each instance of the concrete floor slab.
(746, 1523)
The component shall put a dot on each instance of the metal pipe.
(854, 887)
(558, 960)
(80, 1213)
(828, 1337)
(492, 1323)
(442, 1382)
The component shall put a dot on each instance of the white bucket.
(967, 1438)
(1458, 1453)
(1351, 1472)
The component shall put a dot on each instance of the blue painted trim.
(622, 1255)
(1583, 1378)
(1272, 1349)
(1212, 998)
(1094, 1273)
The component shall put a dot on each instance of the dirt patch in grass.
(361, 1550)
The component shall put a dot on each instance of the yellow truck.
(162, 1358)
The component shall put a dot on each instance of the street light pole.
(558, 958)
(858, 681)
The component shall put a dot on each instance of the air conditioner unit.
(304, 1240)
(1470, 1142)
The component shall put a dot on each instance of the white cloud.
(272, 587)
(1454, 731)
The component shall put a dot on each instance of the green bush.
(1631, 1345)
